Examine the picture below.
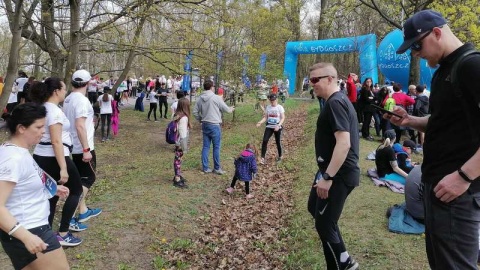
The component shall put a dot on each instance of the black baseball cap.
(420, 23)
(272, 97)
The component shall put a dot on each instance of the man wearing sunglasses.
(336, 152)
(450, 171)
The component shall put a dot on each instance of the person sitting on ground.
(403, 157)
(245, 169)
(386, 161)
(414, 194)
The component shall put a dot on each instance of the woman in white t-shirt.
(52, 154)
(25, 234)
(274, 116)
(106, 111)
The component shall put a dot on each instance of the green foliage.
(462, 17)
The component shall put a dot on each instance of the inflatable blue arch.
(365, 45)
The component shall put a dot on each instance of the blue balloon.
(396, 67)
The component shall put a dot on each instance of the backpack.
(458, 93)
(389, 103)
(171, 134)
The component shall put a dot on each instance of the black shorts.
(18, 253)
(86, 169)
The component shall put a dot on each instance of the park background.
(147, 223)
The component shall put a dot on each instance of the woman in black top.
(367, 97)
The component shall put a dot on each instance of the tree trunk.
(321, 25)
(414, 75)
(12, 67)
(131, 52)
(74, 40)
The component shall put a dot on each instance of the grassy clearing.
(144, 215)
(363, 222)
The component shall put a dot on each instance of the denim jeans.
(212, 133)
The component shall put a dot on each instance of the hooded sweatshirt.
(245, 165)
(209, 107)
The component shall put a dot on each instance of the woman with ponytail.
(386, 160)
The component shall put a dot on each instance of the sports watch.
(327, 176)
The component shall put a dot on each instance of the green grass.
(145, 216)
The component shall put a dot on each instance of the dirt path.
(247, 234)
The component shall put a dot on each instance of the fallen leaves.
(247, 234)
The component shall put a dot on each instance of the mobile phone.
(385, 111)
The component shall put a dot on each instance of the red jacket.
(402, 99)
(351, 90)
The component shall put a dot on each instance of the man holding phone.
(450, 171)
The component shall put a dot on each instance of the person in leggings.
(52, 154)
(106, 111)
(274, 116)
(153, 105)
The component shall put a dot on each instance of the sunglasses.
(315, 80)
(417, 45)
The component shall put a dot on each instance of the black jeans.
(108, 117)
(162, 101)
(451, 230)
(153, 107)
(266, 137)
(367, 119)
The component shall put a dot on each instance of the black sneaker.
(180, 184)
(351, 264)
(183, 179)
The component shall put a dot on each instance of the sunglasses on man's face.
(315, 80)
(417, 45)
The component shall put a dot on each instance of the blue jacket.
(245, 165)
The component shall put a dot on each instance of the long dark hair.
(105, 96)
(40, 92)
(183, 109)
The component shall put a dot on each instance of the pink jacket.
(402, 99)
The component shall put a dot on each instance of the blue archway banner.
(365, 45)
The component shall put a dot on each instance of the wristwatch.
(327, 176)
(465, 176)
(86, 150)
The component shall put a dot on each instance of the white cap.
(81, 76)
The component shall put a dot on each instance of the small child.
(245, 169)
(178, 180)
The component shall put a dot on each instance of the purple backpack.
(171, 134)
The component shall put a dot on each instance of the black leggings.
(153, 107)
(266, 137)
(247, 184)
(50, 166)
(108, 117)
(162, 101)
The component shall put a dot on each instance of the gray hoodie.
(209, 107)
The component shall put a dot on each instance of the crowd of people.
(450, 175)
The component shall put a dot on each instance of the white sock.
(344, 256)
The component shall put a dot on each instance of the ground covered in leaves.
(250, 233)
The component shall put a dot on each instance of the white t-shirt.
(174, 106)
(76, 105)
(153, 97)
(273, 115)
(54, 116)
(12, 98)
(20, 83)
(169, 83)
(105, 107)
(92, 86)
(183, 127)
(28, 202)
